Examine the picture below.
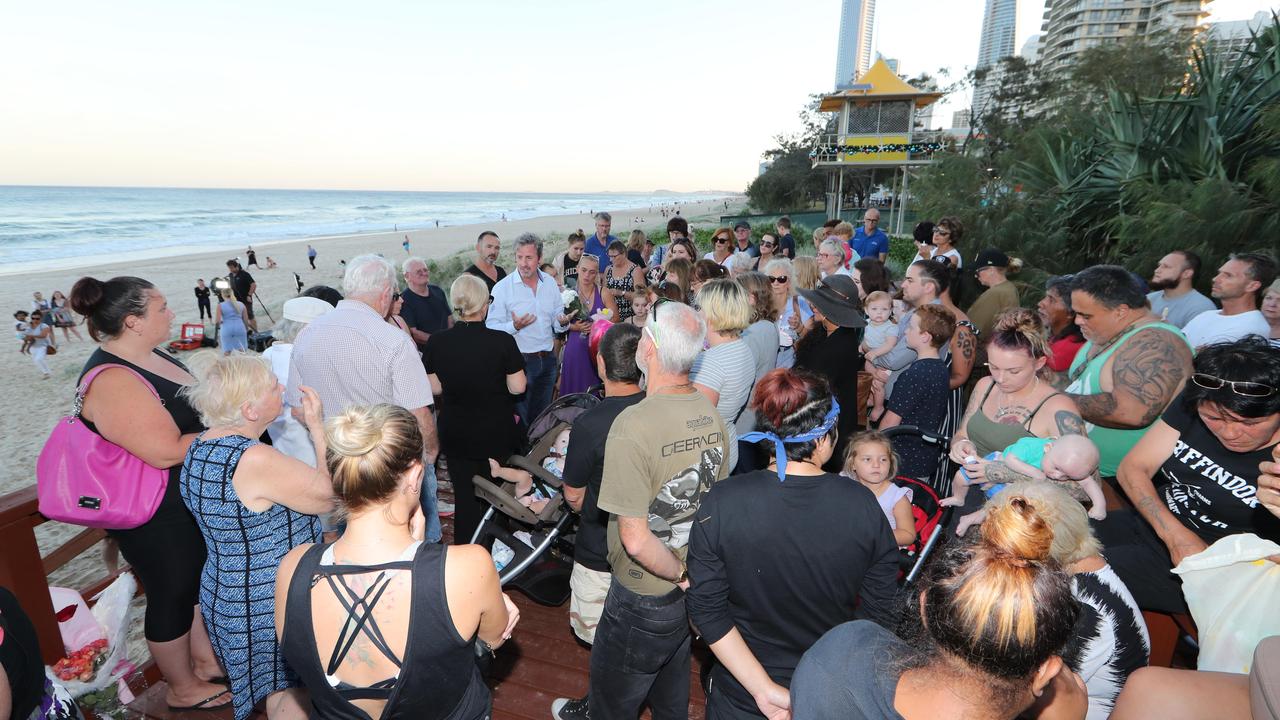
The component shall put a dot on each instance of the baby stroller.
(926, 501)
(542, 565)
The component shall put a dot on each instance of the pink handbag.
(83, 479)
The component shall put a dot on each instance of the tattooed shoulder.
(1068, 423)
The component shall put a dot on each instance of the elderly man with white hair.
(351, 356)
(661, 456)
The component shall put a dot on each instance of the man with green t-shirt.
(1132, 366)
(662, 455)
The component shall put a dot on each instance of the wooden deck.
(542, 661)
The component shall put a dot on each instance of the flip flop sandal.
(203, 705)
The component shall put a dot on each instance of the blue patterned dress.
(238, 584)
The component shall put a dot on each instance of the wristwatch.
(684, 573)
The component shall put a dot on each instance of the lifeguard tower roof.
(878, 83)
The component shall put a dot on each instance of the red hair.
(780, 393)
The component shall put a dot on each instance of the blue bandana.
(780, 452)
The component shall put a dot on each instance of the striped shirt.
(351, 356)
(730, 369)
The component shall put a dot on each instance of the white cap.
(305, 309)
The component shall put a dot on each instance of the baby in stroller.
(529, 495)
(1067, 458)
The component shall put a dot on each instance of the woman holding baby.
(1013, 403)
(475, 373)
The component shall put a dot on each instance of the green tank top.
(989, 436)
(1113, 444)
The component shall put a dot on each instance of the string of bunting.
(912, 148)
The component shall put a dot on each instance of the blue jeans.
(641, 652)
(427, 496)
(540, 371)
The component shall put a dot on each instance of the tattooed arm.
(1147, 372)
(964, 346)
(1135, 473)
(999, 471)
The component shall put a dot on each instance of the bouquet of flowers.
(572, 305)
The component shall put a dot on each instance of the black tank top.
(175, 403)
(438, 680)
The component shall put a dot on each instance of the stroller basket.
(542, 565)
(926, 507)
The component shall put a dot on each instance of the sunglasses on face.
(1239, 387)
(778, 279)
(941, 231)
(722, 240)
(768, 245)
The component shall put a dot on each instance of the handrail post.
(22, 570)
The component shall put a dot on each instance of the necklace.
(1095, 352)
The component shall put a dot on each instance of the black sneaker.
(570, 709)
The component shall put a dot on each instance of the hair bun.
(1016, 533)
(352, 433)
(86, 294)
(1019, 320)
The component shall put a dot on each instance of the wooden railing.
(26, 573)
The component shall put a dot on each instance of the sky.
(480, 95)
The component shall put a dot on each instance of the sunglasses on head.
(823, 285)
(1239, 387)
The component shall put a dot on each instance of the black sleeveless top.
(184, 416)
(438, 679)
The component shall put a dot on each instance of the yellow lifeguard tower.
(875, 129)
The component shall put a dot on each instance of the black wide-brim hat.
(836, 296)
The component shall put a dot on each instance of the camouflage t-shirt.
(662, 454)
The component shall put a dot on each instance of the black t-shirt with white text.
(1213, 491)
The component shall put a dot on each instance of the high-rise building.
(857, 28)
(1031, 49)
(1230, 38)
(1073, 26)
(999, 31)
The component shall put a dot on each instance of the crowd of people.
(734, 484)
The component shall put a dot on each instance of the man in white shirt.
(527, 304)
(1238, 285)
(1175, 300)
(352, 356)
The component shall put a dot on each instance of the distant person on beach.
(425, 309)
(311, 256)
(253, 258)
(131, 319)
(20, 328)
(232, 323)
(62, 316)
(351, 356)
(244, 288)
(42, 306)
(527, 305)
(485, 267)
(202, 299)
(598, 244)
(405, 244)
(40, 335)
(271, 264)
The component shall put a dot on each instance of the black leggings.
(467, 508)
(167, 554)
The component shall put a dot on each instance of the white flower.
(568, 296)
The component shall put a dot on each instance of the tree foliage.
(1135, 150)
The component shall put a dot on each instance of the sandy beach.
(31, 405)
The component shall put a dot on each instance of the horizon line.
(657, 191)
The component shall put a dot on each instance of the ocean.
(42, 224)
